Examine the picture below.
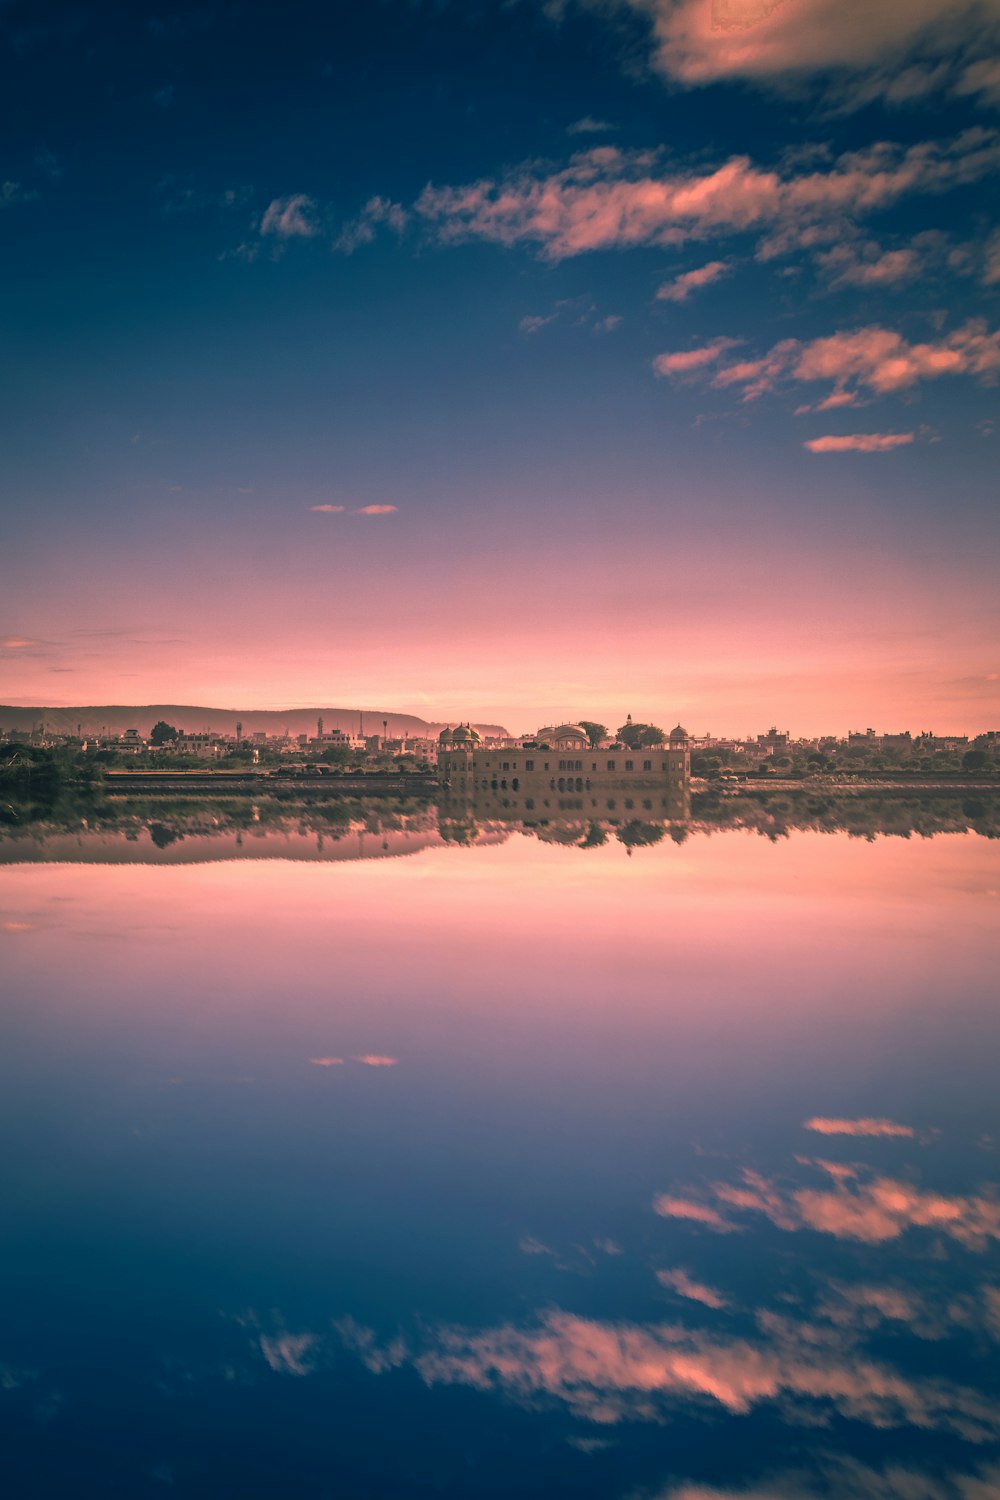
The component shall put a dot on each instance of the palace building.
(559, 770)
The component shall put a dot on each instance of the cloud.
(18, 643)
(860, 1206)
(841, 1476)
(694, 360)
(607, 198)
(699, 1213)
(608, 324)
(329, 510)
(608, 1372)
(680, 289)
(376, 1060)
(899, 50)
(991, 267)
(16, 928)
(846, 266)
(327, 1062)
(869, 1126)
(680, 1282)
(12, 193)
(860, 442)
(376, 510)
(290, 218)
(589, 126)
(875, 359)
(363, 229)
(289, 1353)
(535, 322)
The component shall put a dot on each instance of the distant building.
(559, 768)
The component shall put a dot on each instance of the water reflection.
(173, 830)
(610, 1152)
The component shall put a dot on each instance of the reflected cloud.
(289, 1353)
(839, 1476)
(609, 1372)
(826, 1126)
(860, 1206)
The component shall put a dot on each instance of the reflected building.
(559, 775)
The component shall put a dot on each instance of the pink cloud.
(868, 1126)
(860, 442)
(376, 510)
(900, 49)
(874, 358)
(329, 510)
(681, 287)
(609, 1372)
(376, 1060)
(699, 1213)
(327, 1062)
(693, 360)
(608, 198)
(859, 1206)
(289, 218)
(680, 1282)
(363, 229)
(288, 1353)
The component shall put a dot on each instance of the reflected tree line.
(165, 820)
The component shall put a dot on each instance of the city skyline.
(498, 361)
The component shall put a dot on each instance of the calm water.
(388, 1155)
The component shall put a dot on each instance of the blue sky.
(643, 355)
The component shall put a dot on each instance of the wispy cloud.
(535, 322)
(329, 510)
(692, 361)
(18, 643)
(681, 287)
(12, 193)
(610, 1372)
(875, 359)
(376, 510)
(289, 1353)
(290, 218)
(685, 1286)
(869, 1126)
(608, 198)
(377, 212)
(376, 1060)
(860, 1205)
(860, 442)
(327, 1062)
(587, 125)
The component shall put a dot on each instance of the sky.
(510, 360)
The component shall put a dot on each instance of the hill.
(115, 718)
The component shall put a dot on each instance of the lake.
(382, 1150)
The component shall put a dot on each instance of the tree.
(595, 732)
(635, 736)
(161, 732)
(974, 760)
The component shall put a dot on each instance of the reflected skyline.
(633, 1165)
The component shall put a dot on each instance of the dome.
(572, 732)
(444, 738)
(466, 735)
(678, 734)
